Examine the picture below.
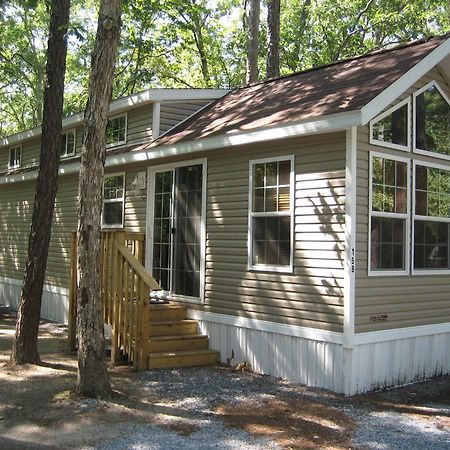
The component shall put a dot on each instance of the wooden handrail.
(138, 267)
(125, 288)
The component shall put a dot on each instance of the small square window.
(113, 201)
(15, 157)
(68, 144)
(116, 131)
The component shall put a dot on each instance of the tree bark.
(273, 39)
(25, 343)
(253, 41)
(93, 379)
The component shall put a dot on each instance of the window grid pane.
(432, 192)
(113, 200)
(271, 228)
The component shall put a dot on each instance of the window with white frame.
(271, 214)
(68, 144)
(392, 128)
(389, 219)
(15, 157)
(113, 200)
(432, 121)
(431, 224)
(116, 130)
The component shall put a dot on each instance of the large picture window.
(431, 218)
(113, 201)
(432, 121)
(270, 214)
(392, 128)
(389, 214)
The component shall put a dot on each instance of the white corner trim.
(47, 287)
(122, 104)
(373, 337)
(272, 327)
(382, 100)
(350, 236)
(156, 119)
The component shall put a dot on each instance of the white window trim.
(262, 267)
(415, 95)
(407, 147)
(425, 218)
(118, 116)
(150, 216)
(72, 153)
(115, 200)
(15, 166)
(406, 216)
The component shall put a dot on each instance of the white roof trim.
(326, 124)
(125, 103)
(386, 97)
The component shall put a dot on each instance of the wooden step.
(173, 327)
(167, 311)
(183, 358)
(181, 342)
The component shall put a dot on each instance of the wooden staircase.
(174, 340)
(151, 335)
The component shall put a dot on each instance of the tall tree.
(253, 40)
(25, 343)
(93, 379)
(273, 38)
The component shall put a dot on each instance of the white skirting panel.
(396, 362)
(55, 300)
(377, 360)
(301, 360)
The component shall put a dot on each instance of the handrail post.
(144, 329)
(115, 337)
(72, 317)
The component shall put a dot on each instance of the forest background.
(195, 43)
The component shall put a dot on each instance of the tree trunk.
(93, 380)
(253, 41)
(25, 342)
(273, 39)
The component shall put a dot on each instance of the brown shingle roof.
(340, 87)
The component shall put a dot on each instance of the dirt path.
(205, 408)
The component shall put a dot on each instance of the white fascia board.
(327, 124)
(123, 104)
(385, 98)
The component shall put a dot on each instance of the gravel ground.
(206, 408)
(197, 393)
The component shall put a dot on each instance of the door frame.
(151, 171)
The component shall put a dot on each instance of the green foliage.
(194, 43)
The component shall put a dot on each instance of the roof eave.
(316, 125)
(391, 93)
(124, 104)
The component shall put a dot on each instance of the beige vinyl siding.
(173, 113)
(408, 300)
(312, 295)
(139, 124)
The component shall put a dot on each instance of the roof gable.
(346, 86)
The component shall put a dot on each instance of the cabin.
(300, 224)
